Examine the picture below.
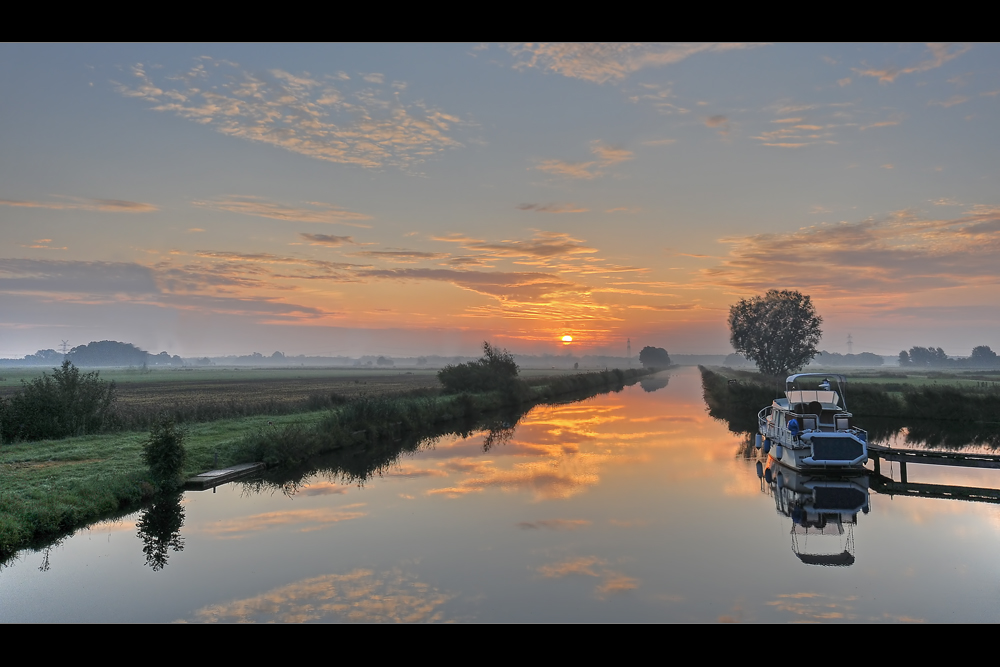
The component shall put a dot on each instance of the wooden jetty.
(888, 486)
(213, 478)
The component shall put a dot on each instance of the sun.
(567, 339)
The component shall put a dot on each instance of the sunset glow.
(406, 199)
(567, 339)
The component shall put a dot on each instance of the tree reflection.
(160, 529)
(653, 383)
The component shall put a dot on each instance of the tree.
(928, 356)
(654, 357)
(163, 452)
(982, 355)
(779, 331)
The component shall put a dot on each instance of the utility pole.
(628, 351)
(850, 344)
(65, 344)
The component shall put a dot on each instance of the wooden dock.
(888, 486)
(213, 478)
(934, 457)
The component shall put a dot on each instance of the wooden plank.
(935, 457)
(213, 478)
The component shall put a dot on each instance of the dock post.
(878, 470)
(902, 472)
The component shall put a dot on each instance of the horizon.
(415, 200)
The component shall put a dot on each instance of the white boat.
(811, 429)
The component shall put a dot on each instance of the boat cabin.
(819, 409)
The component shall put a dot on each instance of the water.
(628, 507)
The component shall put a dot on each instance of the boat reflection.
(823, 509)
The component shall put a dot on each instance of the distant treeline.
(112, 353)
(100, 353)
(934, 357)
(824, 360)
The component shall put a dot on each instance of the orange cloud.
(79, 204)
(320, 212)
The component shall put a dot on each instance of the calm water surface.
(628, 507)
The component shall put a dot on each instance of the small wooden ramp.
(213, 478)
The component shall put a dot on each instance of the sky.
(419, 199)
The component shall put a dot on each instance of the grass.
(49, 488)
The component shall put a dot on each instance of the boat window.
(808, 396)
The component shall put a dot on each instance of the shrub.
(164, 452)
(495, 371)
(60, 405)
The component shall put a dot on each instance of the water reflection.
(626, 507)
(823, 510)
(159, 528)
(652, 383)
(360, 596)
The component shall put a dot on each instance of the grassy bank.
(50, 488)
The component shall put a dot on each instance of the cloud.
(306, 114)
(844, 82)
(505, 286)
(659, 142)
(940, 54)
(600, 63)
(716, 121)
(895, 119)
(950, 102)
(44, 244)
(552, 208)
(542, 245)
(607, 156)
(327, 239)
(581, 170)
(898, 254)
(320, 212)
(555, 524)
(401, 256)
(75, 277)
(80, 204)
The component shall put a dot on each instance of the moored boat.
(810, 428)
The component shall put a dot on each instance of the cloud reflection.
(360, 596)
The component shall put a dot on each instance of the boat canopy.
(808, 396)
(822, 395)
(792, 378)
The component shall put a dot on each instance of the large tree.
(779, 331)
(654, 357)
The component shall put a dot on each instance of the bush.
(164, 452)
(60, 405)
(495, 371)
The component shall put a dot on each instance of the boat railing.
(771, 430)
